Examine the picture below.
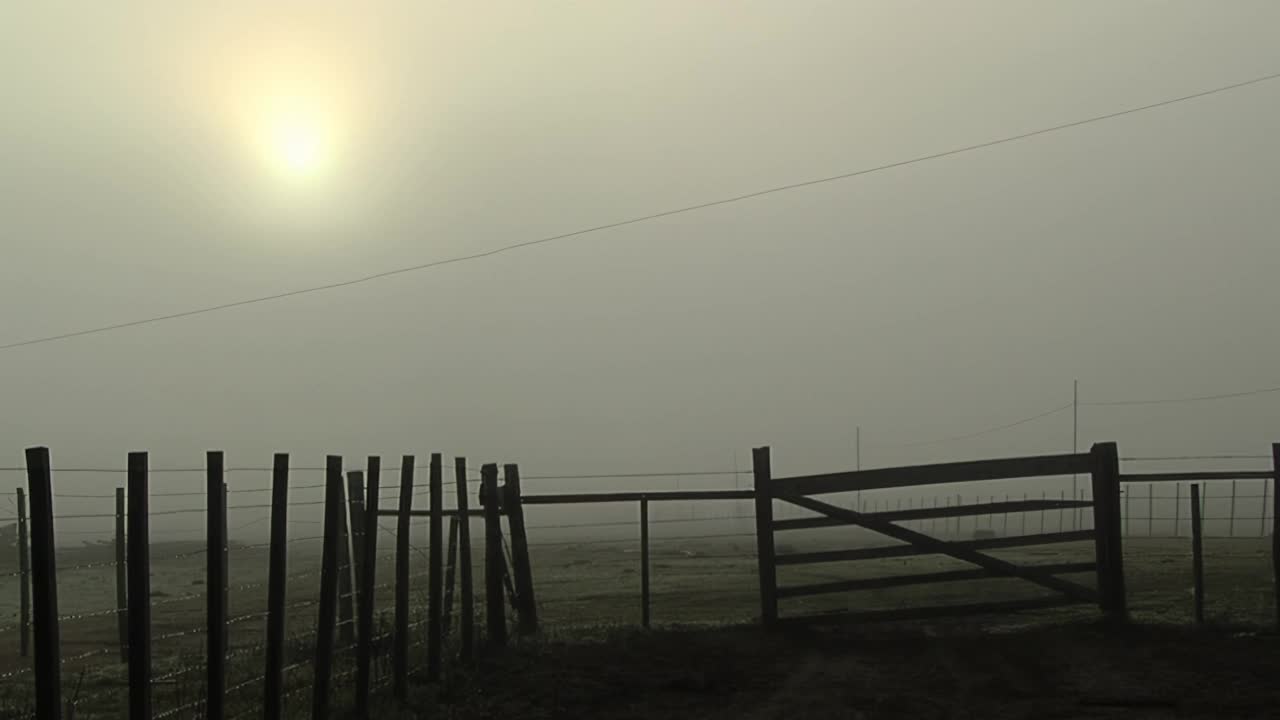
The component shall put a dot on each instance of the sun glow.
(298, 141)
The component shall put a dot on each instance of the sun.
(298, 141)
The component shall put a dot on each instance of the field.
(588, 591)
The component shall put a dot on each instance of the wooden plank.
(521, 568)
(767, 567)
(334, 512)
(1197, 555)
(1073, 590)
(494, 564)
(122, 580)
(655, 496)
(139, 558)
(467, 609)
(447, 512)
(893, 551)
(24, 578)
(435, 568)
(273, 673)
(215, 587)
(1198, 476)
(44, 582)
(400, 640)
(911, 476)
(644, 564)
(1018, 506)
(880, 583)
(366, 596)
(928, 613)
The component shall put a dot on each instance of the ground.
(590, 590)
(1076, 670)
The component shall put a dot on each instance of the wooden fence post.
(1107, 523)
(364, 606)
(139, 572)
(44, 580)
(522, 568)
(450, 575)
(329, 569)
(122, 580)
(355, 503)
(467, 610)
(1262, 531)
(346, 588)
(273, 674)
(494, 564)
(1275, 525)
(400, 649)
(1177, 509)
(435, 566)
(24, 578)
(1197, 554)
(764, 536)
(644, 562)
(215, 588)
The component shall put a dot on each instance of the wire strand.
(638, 219)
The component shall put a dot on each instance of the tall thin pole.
(1075, 446)
(858, 447)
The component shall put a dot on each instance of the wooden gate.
(1101, 463)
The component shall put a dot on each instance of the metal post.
(644, 562)
(1197, 554)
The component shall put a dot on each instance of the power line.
(638, 219)
(987, 431)
(1195, 398)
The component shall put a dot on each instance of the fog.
(138, 177)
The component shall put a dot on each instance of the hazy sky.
(140, 174)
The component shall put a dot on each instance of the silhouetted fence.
(369, 636)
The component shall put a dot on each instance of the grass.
(587, 591)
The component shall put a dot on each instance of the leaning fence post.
(24, 577)
(139, 572)
(494, 564)
(1197, 554)
(355, 504)
(122, 580)
(346, 589)
(1275, 525)
(764, 536)
(44, 580)
(435, 566)
(467, 610)
(450, 575)
(522, 568)
(215, 588)
(644, 562)
(273, 674)
(364, 605)
(329, 559)
(400, 640)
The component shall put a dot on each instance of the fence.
(322, 619)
